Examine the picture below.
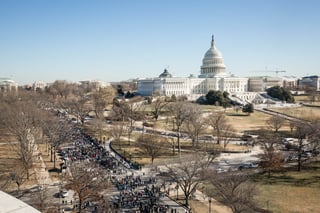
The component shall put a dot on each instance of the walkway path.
(42, 174)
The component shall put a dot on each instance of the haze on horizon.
(117, 40)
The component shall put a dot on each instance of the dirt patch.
(200, 207)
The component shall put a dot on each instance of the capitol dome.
(213, 63)
(165, 74)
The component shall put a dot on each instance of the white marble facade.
(213, 76)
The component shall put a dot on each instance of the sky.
(115, 40)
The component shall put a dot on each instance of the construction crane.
(275, 71)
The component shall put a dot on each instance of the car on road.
(246, 166)
(64, 193)
(220, 170)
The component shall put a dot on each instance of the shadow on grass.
(281, 180)
(309, 176)
(56, 170)
(239, 115)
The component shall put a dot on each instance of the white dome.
(213, 63)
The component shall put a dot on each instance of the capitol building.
(213, 76)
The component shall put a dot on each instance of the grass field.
(290, 191)
(8, 161)
(7, 158)
(243, 122)
(307, 113)
(301, 98)
(240, 121)
(306, 99)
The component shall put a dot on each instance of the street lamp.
(210, 204)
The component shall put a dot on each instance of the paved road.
(231, 161)
(145, 172)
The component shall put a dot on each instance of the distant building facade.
(290, 82)
(310, 81)
(39, 85)
(93, 84)
(213, 76)
(261, 83)
(8, 85)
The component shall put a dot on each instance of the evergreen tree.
(215, 97)
(248, 108)
(280, 93)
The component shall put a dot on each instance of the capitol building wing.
(213, 76)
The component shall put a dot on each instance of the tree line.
(34, 118)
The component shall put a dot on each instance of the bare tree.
(127, 86)
(99, 125)
(58, 132)
(99, 103)
(180, 111)
(134, 107)
(218, 122)
(271, 158)
(21, 120)
(88, 181)
(157, 106)
(101, 98)
(195, 124)
(80, 105)
(313, 94)
(117, 131)
(234, 190)
(18, 175)
(187, 172)
(227, 132)
(308, 139)
(40, 198)
(119, 110)
(60, 88)
(315, 136)
(5, 181)
(291, 125)
(152, 145)
(275, 122)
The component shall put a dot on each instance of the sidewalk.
(42, 174)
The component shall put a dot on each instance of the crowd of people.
(86, 148)
(132, 193)
(137, 194)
